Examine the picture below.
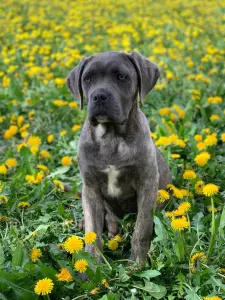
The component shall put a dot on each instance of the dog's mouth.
(103, 119)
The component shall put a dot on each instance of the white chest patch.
(100, 131)
(113, 173)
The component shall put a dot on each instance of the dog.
(121, 168)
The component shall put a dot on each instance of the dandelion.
(210, 189)
(64, 275)
(34, 141)
(76, 127)
(117, 238)
(3, 199)
(3, 169)
(189, 174)
(201, 146)
(81, 265)
(162, 196)
(73, 244)
(198, 137)
(66, 161)
(94, 291)
(197, 257)
(175, 191)
(45, 154)
(212, 298)
(44, 168)
(44, 286)
(59, 184)
(11, 163)
(202, 159)
(113, 244)
(90, 237)
(105, 283)
(175, 155)
(73, 105)
(214, 117)
(223, 137)
(180, 223)
(182, 209)
(23, 204)
(211, 140)
(199, 187)
(50, 138)
(210, 209)
(35, 254)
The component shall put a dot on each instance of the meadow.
(41, 238)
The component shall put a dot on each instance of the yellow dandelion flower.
(94, 291)
(24, 204)
(81, 265)
(198, 137)
(105, 283)
(163, 141)
(34, 141)
(162, 196)
(118, 238)
(164, 111)
(9, 133)
(189, 174)
(175, 191)
(3, 199)
(214, 100)
(66, 161)
(223, 137)
(59, 184)
(175, 155)
(59, 102)
(180, 223)
(211, 140)
(63, 132)
(64, 275)
(169, 214)
(73, 105)
(45, 154)
(50, 138)
(68, 222)
(3, 169)
(182, 209)
(210, 189)
(76, 127)
(35, 254)
(197, 257)
(113, 244)
(11, 163)
(199, 187)
(90, 237)
(44, 286)
(44, 168)
(212, 298)
(210, 209)
(214, 117)
(30, 179)
(202, 159)
(73, 244)
(201, 146)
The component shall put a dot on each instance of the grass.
(39, 128)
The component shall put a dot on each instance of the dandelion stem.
(103, 257)
(48, 297)
(22, 217)
(212, 238)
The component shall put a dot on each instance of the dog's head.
(110, 83)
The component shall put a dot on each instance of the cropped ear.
(73, 80)
(147, 72)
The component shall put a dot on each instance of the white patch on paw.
(113, 173)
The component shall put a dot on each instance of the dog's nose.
(100, 96)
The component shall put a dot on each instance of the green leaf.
(159, 230)
(17, 256)
(149, 274)
(59, 171)
(27, 157)
(61, 210)
(156, 291)
(2, 257)
(222, 223)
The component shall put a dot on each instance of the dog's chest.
(112, 173)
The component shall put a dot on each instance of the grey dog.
(120, 166)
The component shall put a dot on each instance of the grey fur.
(121, 168)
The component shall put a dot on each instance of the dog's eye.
(87, 79)
(121, 76)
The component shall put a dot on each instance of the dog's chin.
(95, 120)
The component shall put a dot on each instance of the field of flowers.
(41, 237)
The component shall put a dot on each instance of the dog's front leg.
(146, 201)
(93, 208)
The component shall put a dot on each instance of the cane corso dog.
(121, 168)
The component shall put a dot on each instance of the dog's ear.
(147, 72)
(73, 80)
